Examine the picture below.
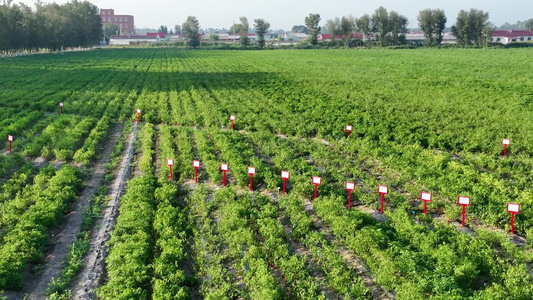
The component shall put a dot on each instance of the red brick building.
(125, 22)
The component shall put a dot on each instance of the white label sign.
(464, 200)
(425, 196)
(513, 207)
(224, 167)
(348, 127)
(196, 163)
(138, 111)
(285, 174)
(506, 142)
(170, 162)
(232, 118)
(251, 170)
(317, 180)
(383, 189)
(349, 186)
(61, 104)
(10, 138)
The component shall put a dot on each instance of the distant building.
(511, 36)
(124, 40)
(125, 22)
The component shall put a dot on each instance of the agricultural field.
(88, 209)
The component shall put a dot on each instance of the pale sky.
(283, 14)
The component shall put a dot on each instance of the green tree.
(472, 27)
(363, 26)
(191, 27)
(244, 40)
(213, 37)
(529, 24)
(398, 28)
(177, 29)
(333, 26)
(300, 29)
(380, 24)
(111, 29)
(261, 27)
(346, 28)
(163, 29)
(312, 22)
(432, 22)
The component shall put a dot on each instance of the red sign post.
(316, 181)
(383, 190)
(251, 171)
(61, 107)
(285, 175)
(195, 165)
(348, 129)
(350, 187)
(513, 208)
(170, 163)
(10, 139)
(464, 202)
(232, 118)
(426, 197)
(505, 143)
(138, 115)
(224, 168)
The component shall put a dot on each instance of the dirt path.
(92, 272)
(36, 286)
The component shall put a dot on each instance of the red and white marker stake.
(426, 197)
(232, 118)
(224, 168)
(505, 143)
(350, 187)
(251, 171)
(316, 181)
(285, 175)
(348, 128)
(196, 165)
(383, 190)
(513, 208)
(61, 107)
(10, 139)
(464, 202)
(138, 115)
(170, 163)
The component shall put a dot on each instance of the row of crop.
(239, 154)
(88, 150)
(16, 183)
(147, 142)
(208, 155)
(25, 242)
(340, 276)
(210, 257)
(186, 156)
(170, 231)
(167, 150)
(250, 257)
(409, 256)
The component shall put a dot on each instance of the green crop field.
(423, 120)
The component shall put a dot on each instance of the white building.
(512, 36)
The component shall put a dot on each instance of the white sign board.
(285, 174)
(170, 162)
(425, 196)
(251, 170)
(61, 104)
(138, 111)
(382, 189)
(506, 142)
(317, 180)
(348, 127)
(513, 207)
(196, 163)
(349, 186)
(232, 118)
(464, 200)
(10, 138)
(224, 167)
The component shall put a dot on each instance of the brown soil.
(93, 271)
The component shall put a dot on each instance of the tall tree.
(300, 29)
(333, 26)
(191, 27)
(380, 24)
(312, 22)
(471, 28)
(177, 29)
(110, 29)
(245, 40)
(261, 27)
(398, 28)
(432, 23)
(346, 28)
(529, 24)
(163, 29)
(363, 26)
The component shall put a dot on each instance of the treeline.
(49, 26)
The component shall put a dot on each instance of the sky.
(283, 14)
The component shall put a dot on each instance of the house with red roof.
(327, 36)
(159, 34)
(512, 36)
